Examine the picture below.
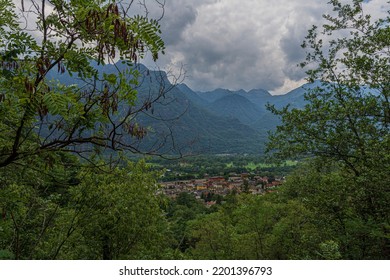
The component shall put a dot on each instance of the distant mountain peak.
(184, 86)
(233, 97)
(259, 91)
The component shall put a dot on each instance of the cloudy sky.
(242, 44)
(238, 44)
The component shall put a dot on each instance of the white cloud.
(240, 44)
(243, 43)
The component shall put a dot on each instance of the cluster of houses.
(222, 186)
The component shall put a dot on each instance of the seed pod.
(28, 86)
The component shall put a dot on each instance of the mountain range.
(221, 121)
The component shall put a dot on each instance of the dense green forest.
(68, 189)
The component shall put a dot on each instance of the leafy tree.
(32, 197)
(256, 217)
(31, 200)
(347, 116)
(110, 214)
(39, 114)
(181, 211)
(341, 215)
(214, 237)
(116, 215)
(56, 98)
(256, 227)
(345, 126)
(294, 235)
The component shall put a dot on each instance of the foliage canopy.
(347, 118)
(39, 113)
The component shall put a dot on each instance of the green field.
(258, 165)
(215, 165)
(254, 166)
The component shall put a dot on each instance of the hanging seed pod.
(87, 25)
(47, 62)
(124, 33)
(108, 10)
(42, 111)
(113, 52)
(117, 25)
(40, 66)
(28, 86)
(114, 103)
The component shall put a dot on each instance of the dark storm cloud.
(237, 44)
(177, 20)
